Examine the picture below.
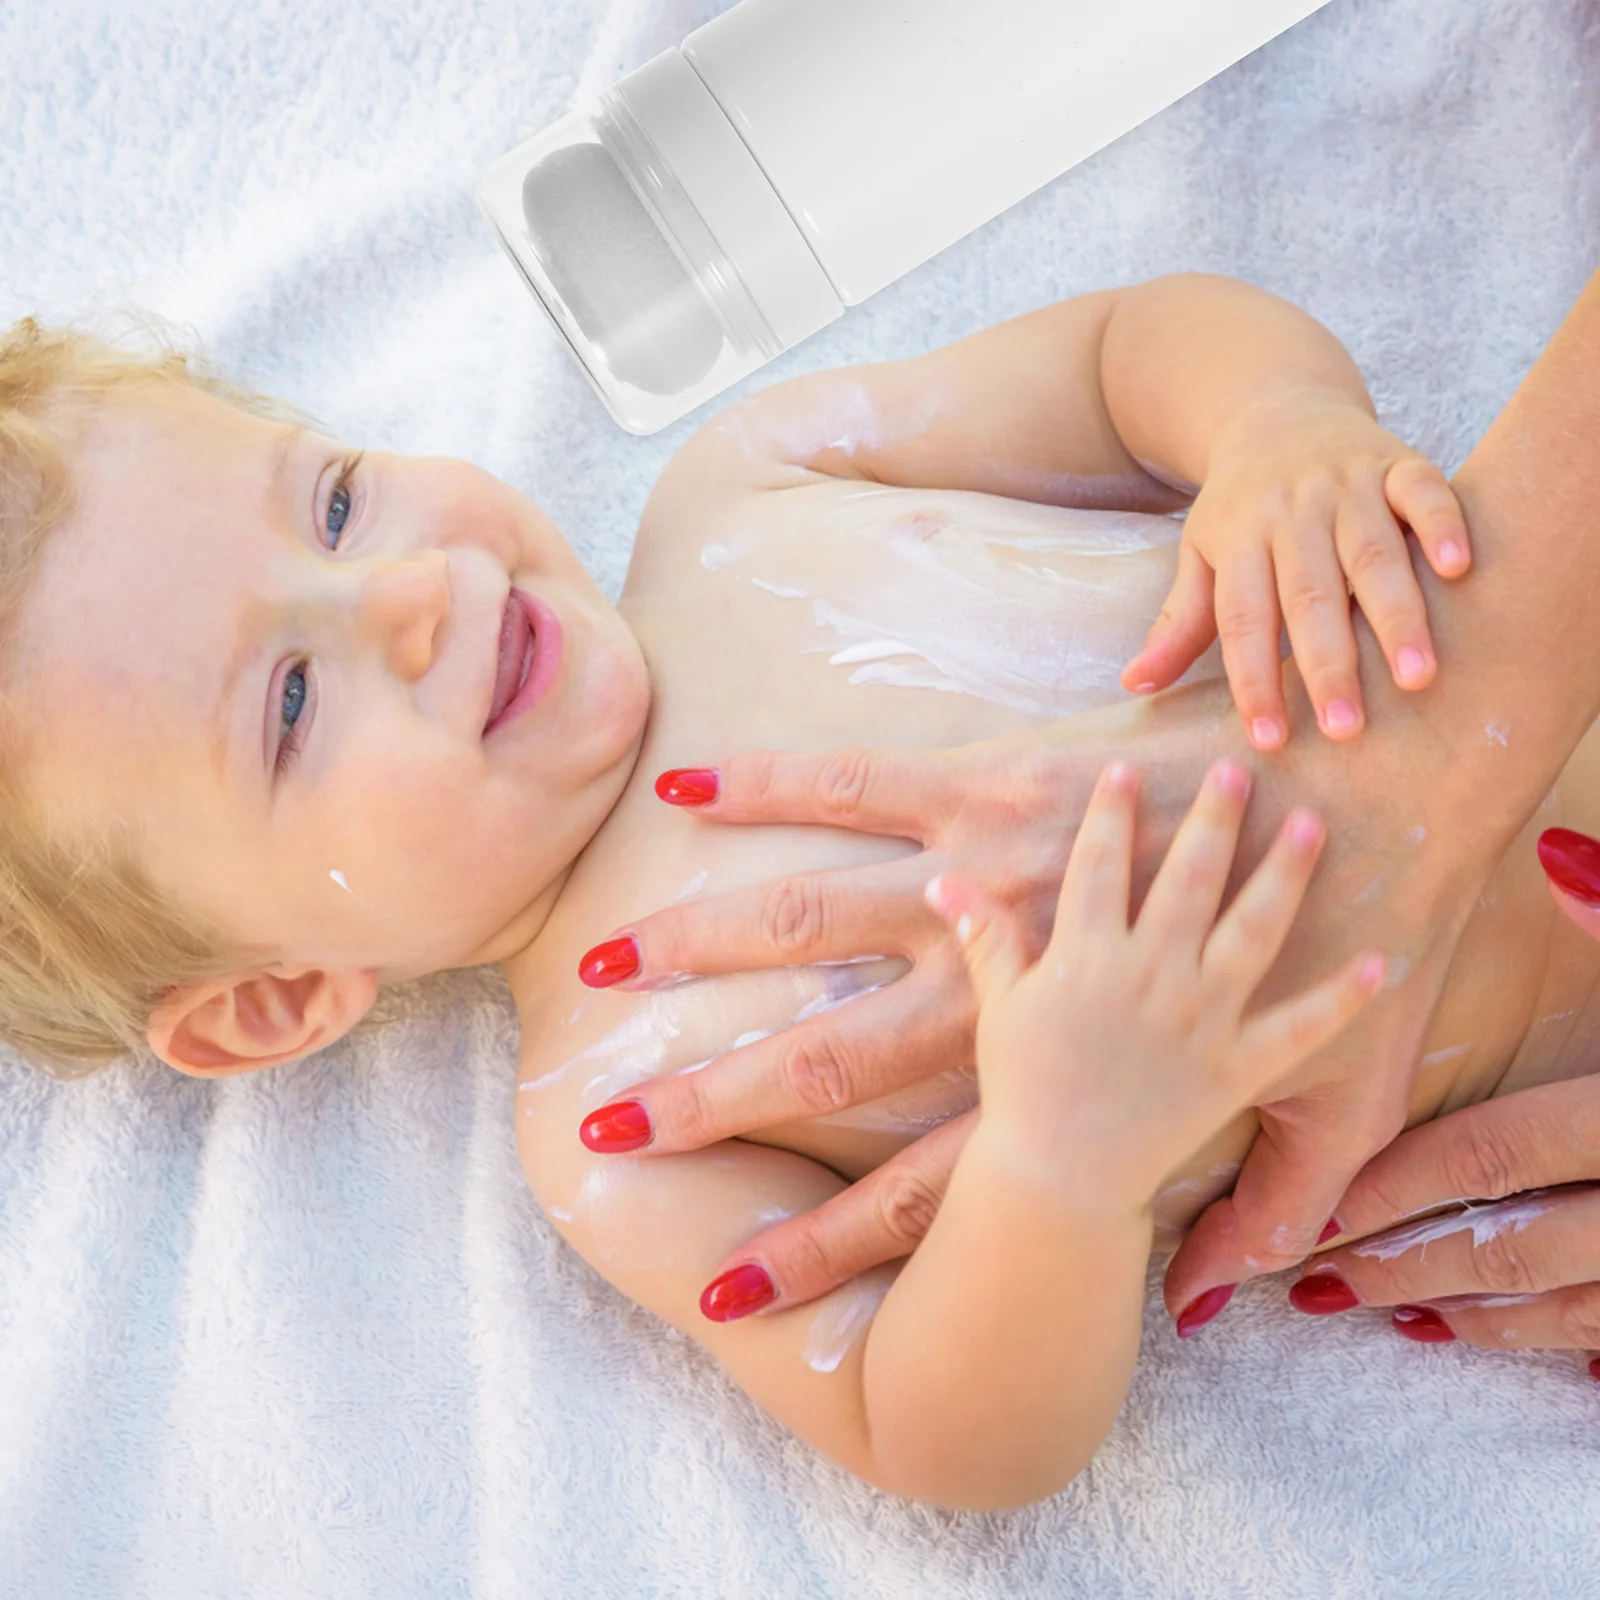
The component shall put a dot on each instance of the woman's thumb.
(989, 935)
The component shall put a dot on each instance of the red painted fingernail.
(1203, 1308)
(1330, 1230)
(1320, 1294)
(1572, 862)
(610, 962)
(1421, 1325)
(1594, 1369)
(616, 1128)
(737, 1293)
(688, 786)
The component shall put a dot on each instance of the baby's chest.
(846, 613)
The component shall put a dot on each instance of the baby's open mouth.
(528, 660)
(517, 648)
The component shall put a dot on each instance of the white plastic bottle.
(727, 199)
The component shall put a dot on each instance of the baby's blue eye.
(290, 706)
(338, 514)
(294, 696)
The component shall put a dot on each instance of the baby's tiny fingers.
(1246, 941)
(1276, 1042)
(1098, 879)
(1186, 625)
(990, 936)
(1248, 625)
(1182, 903)
(1316, 608)
(1420, 495)
(1372, 551)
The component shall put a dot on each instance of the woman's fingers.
(1373, 553)
(1564, 1319)
(811, 916)
(1532, 1139)
(903, 793)
(1491, 1257)
(1186, 625)
(914, 1028)
(1248, 625)
(1571, 863)
(882, 1217)
(1420, 495)
(1316, 610)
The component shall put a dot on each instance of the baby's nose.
(405, 603)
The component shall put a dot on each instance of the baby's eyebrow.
(280, 457)
(221, 721)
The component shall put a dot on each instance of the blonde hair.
(88, 946)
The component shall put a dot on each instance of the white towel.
(305, 1334)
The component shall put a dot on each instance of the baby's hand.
(1122, 1050)
(1302, 495)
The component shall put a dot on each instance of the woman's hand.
(1305, 505)
(1517, 1275)
(993, 813)
(1514, 1276)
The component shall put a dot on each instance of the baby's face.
(356, 718)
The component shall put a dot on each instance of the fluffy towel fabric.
(305, 1334)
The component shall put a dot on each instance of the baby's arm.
(1002, 1352)
(994, 1365)
(1300, 496)
(1065, 404)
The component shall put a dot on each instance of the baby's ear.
(219, 1027)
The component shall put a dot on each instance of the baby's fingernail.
(1321, 1294)
(614, 1130)
(1231, 778)
(737, 1293)
(610, 962)
(1305, 828)
(1451, 556)
(1203, 1308)
(1266, 733)
(1340, 717)
(1421, 1325)
(1330, 1230)
(1411, 666)
(688, 786)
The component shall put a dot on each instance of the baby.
(286, 722)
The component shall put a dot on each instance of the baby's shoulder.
(726, 467)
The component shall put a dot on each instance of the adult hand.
(1518, 1275)
(1003, 814)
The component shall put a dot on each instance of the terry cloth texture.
(305, 1334)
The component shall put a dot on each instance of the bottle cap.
(653, 240)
